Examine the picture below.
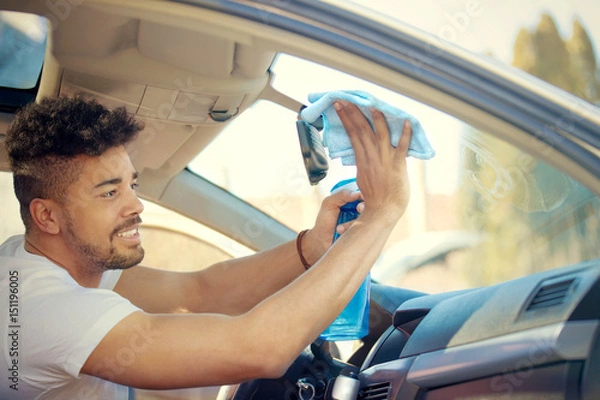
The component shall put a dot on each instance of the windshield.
(481, 211)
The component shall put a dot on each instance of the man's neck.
(57, 253)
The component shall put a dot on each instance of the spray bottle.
(353, 322)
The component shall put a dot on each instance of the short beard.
(95, 256)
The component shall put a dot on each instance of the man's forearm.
(231, 287)
(239, 284)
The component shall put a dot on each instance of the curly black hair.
(45, 138)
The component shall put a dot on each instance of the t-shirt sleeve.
(73, 321)
(109, 311)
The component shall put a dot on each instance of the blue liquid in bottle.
(353, 322)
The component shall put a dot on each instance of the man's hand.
(320, 237)
(381, 176)
(381, 169)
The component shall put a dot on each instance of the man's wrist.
(299, 240)
(310, 249)
(383, 216)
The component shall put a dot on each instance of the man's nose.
(134, 205)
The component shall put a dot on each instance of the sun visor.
(106, 33)
(210, 56)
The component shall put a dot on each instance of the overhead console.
(192, 74)
(536, 337)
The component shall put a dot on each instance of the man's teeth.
(127, 233)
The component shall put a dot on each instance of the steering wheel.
(307, 378)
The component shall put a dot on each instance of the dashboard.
(533, 337)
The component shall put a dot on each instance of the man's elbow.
(272, 365)
(278, 367)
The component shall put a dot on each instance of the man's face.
(101, 212)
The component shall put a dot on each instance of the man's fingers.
(381, 128)
(404, 141)
(341, 228)
(358, 129)
(342, 197)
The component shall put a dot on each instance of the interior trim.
(224, 212)
(516, 351)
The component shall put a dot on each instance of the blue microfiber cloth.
(335, 137)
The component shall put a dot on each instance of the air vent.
(551, 294)
(378, 391)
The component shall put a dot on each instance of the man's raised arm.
(212, 349)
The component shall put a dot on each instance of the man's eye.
(109, 194)
(134, 186)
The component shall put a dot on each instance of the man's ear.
(44, 214)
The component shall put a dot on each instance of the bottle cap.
(347, 184)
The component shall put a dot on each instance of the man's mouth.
(129, 230)
(127, 234)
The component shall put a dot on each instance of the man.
(84, 320)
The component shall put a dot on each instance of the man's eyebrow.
(115, 181)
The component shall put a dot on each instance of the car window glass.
(11, 217)
(481, 211)
(166, 233)
(22, 46)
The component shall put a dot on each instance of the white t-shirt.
(49, 325)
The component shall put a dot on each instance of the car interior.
(191, 69)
